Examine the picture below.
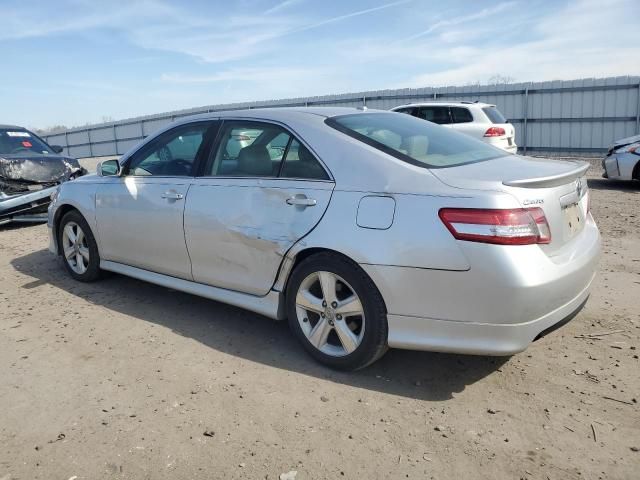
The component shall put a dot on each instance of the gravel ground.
(123, 379)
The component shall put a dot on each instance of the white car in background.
(623, 160)
(479, 120)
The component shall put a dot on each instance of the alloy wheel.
(330, 313)
(75, 248)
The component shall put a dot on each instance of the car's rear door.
(140, 213)
(247, 209)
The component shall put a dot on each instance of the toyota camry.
(365, 229)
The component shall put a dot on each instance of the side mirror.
(108, 168)
(57, 148)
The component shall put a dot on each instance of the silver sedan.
(366, 229)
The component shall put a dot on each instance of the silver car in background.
(623, 160)
(366, 229)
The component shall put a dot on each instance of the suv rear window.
(494, 115)
(413, 140)
(461, 115)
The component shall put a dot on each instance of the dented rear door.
(238, 229)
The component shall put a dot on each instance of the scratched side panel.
(238, 230)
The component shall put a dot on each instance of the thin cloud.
(282, 6)
(484, 13)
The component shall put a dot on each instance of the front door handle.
(301, 201)
(172, 195)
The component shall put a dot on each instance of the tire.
(365, 341)
(89, 271)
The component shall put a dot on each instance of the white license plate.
(34, 188)
(573, 220)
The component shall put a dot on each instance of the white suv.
(479, 120)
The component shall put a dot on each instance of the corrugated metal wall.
(575, 117)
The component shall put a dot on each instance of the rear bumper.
(501, 304)
(417, 333)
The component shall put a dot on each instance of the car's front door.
(140, 212)
(251, 205)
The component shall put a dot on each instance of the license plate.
(34, 188)
(573, 221)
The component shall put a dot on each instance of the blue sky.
(74, 62)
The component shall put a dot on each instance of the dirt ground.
(123, 379)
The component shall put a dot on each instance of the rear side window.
(494, 115)
(300, 163)
(413, 140)
(439, 115)
(461, 115)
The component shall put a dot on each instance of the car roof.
(446, 104)
(280, 113)
(11, 127)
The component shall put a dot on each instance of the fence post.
(90, 144)
(66, 142)
(525, 118)
(364, 100)
(638, 112)
(115, 138)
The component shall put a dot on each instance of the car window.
(494, 115)
(408, 111)
(461, 115)
(172, 154)
(439, 115)
(413, 140)
(249, 149)
(300, 163)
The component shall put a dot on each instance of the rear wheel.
(78, 248)
(336, 311)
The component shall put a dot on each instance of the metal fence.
(575, 117)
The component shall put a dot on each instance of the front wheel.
(78, 248)
(336, 311)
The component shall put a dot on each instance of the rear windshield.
(494, 115)
(413, 140)
(14, 141)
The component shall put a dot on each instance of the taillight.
(518, 226)
(495, 132)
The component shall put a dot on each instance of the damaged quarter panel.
(239, 229)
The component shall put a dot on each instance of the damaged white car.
(623, 160)
(30, 171)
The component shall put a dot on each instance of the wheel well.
(304, 254)
(60, 212)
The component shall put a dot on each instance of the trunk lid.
(558, 187)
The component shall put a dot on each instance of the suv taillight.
(517, 226)
(495, 132)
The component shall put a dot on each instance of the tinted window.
(249, 149)
(413, 140)
(172, 154)
(494, 115)
(18, 141)
(461, 115)
(300, 163)
(439, 115)
(408, 111)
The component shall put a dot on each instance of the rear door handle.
(172, 195)
(301, 201)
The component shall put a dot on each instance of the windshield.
(15, 141)
(414, 140)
